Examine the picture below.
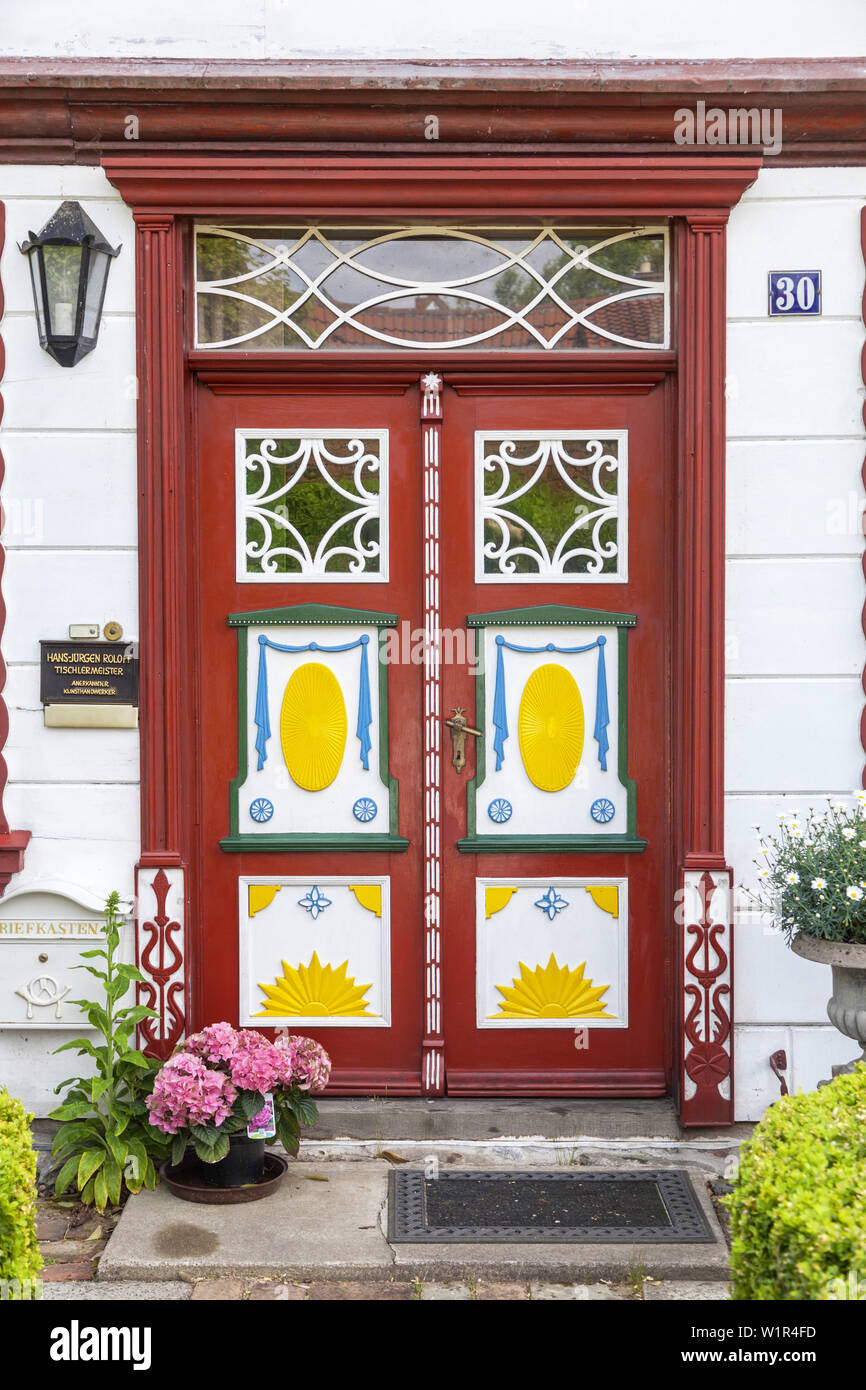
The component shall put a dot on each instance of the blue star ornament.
(314, 902)
(551, 903)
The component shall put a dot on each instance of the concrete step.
(312, 1230)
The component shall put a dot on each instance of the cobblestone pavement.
(71, 1239)
(274, 1291)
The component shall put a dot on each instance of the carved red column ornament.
(12, 842)
(159, 320)
(704, 1061)
(433, 1046)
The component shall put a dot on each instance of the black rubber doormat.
(604, 1208)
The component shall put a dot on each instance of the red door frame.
(698, 191)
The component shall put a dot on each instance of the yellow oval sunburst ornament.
(315, 991)
(550, 727)
(313, 726)
(552, 991)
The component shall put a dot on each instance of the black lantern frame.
(69, 262)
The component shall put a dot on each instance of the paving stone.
(210, 1290)
(277, 1293)
(101, 1291)
(88, 1223)
(58, 1274)
(358, 1292)
(65, 1251)
(684, 1289)
(51, 1222)
(500, 1293)
(587, 1293)
(453, 1293)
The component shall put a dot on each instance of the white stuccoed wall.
(795, 586)
(68, 439)
(344, 29)
(795, 646)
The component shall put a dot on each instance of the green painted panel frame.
(311, 615)
(556, 615)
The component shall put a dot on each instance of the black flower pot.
(243, 1164)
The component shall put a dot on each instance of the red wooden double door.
(432, 655)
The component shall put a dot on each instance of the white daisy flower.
(819, 883)
(792, 878)
(847, 832)
(854, 893)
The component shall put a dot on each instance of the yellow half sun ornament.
(315, 990)
(552, 991)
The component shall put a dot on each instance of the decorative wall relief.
(317, 953)
(551, 953)
(44, 992)
(161, 938)
(707, 964)
(324, 782)
(563, 781)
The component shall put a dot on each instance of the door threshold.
(384, 1119)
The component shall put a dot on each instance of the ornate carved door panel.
(556, 837)
(310, 890)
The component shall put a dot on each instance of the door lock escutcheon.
(459, 729)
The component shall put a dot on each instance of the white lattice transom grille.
(432, 287)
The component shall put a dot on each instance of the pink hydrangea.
(186, 1092)
(307, 1060)
(215, 1043)
(255, 1064)
(200, 1083)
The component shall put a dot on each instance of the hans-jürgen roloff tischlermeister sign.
(89, 673)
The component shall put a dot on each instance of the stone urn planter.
(847, 1007)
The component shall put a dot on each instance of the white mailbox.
(42, 935)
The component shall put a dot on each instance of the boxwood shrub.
(798, 1209)
(20, 1260)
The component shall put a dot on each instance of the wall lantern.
(69, 262)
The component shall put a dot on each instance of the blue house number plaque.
(795, 292)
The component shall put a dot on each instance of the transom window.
(545, 288)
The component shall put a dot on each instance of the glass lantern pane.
(62, 274)
(33, 258)
(95, 290)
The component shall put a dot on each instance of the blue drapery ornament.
(602, 711)
(365, 707)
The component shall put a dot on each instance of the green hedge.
(19, 1251)
(798, 1209)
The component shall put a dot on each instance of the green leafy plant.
(20, 1261)
(812, 873)
(798, 1209)
(104, 1140)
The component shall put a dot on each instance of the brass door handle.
(459, 729)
